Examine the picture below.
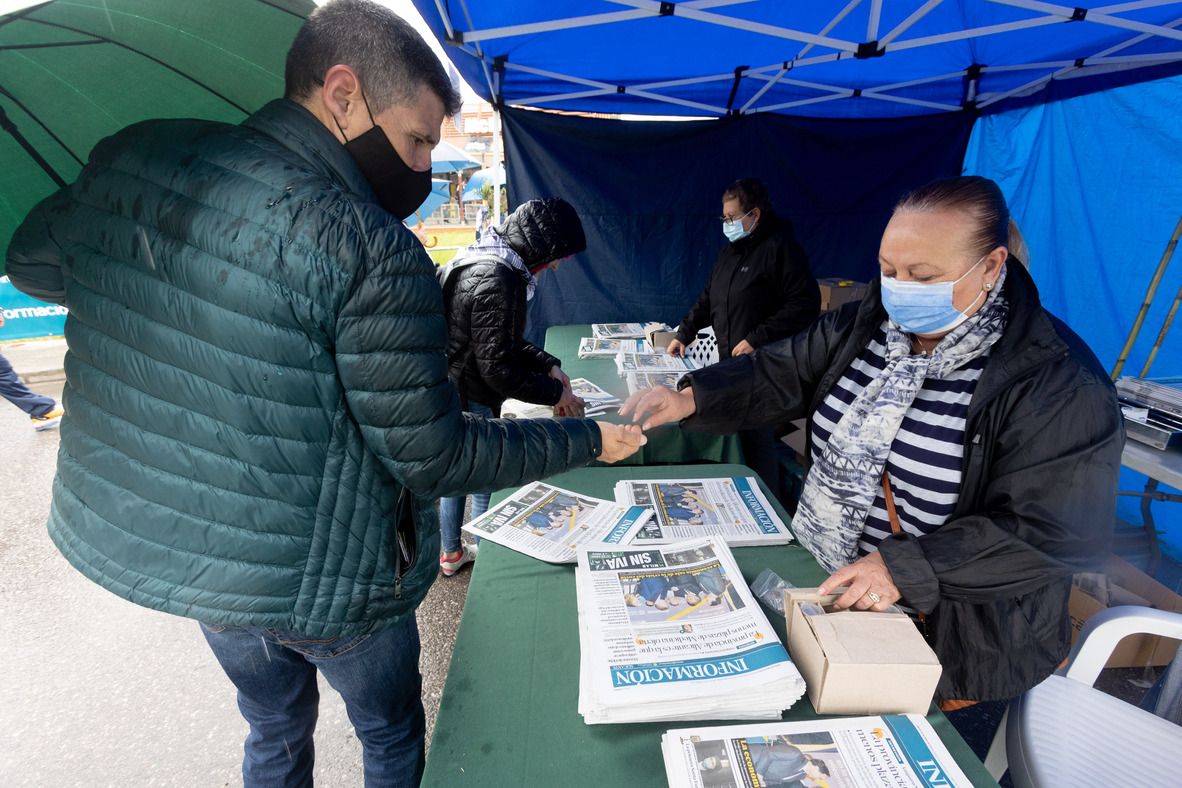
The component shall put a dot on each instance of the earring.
(989, 285)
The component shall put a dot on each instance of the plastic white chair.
(1064, 732)
(704, 349)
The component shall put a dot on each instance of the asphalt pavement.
(97, 691)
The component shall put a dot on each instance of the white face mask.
(733, 230)
(924, 307)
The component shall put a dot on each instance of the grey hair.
(979, 198)
(392, 60)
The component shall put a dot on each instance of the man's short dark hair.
(390, 58)
(751, 194)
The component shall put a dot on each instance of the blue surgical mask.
(734, 230)
(923, 307)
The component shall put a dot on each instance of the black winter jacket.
(760, 290)
(1042, 449)
(487, 357)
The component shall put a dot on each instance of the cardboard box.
(1135, 651)
(658, 337)
(859, 662)
(836, 291)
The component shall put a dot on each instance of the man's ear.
(342, 101)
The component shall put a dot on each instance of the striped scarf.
(842, 484)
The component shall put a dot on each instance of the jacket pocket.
(406, 539)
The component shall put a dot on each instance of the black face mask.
(399, 189)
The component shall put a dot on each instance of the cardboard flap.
(867, 638)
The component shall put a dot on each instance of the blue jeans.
(451, 510)
(376, 674)
(18, 393)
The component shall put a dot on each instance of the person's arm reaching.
(390, 339)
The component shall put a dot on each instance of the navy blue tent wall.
(650, 193)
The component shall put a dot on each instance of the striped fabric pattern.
(925, 459)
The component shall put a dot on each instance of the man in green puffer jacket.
(259, 416)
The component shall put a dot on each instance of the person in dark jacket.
(485, 291)
(258, 416)
(760, 291)
(965, 443)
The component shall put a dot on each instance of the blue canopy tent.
(840, 107)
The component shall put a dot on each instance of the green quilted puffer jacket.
(259, 416)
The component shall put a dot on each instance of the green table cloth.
(667, 445)
(509, 713)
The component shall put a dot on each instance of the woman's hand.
(743, 348)
(557, 373)
(676, 348)
(659, 405)
(870, 586)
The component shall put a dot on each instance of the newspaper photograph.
(516, 409)
(598, 401)
(892, 751)
(550, 523)
(599, 347)
(652, 362)
(618, 330)
(733, 508)
(638, 380)
(674, 633)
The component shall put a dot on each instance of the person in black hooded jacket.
(965, 443)
(760, 291)
(485, 291)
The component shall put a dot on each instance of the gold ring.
(875, 598)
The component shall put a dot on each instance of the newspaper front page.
(733, 508)
(892, 751)
(601, 347)
(550, 523)
(652, 362)
(647, 380)
(618, 330)
(598, 401)
(673, 633)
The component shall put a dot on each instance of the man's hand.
(676, 348)
(569, 404)
(557, 373)
(869, 580)
(742, 349)
(659, 405)
(619, 441)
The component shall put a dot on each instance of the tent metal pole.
(804, 102)
(7, 124)
(872, 22)
(587, 20)
(842, 14)
(1095, 15)
(1135, 6)
(910, 21)
(553, 97)
(447, 28)
(744, 24)
(1148, 301)
(492, 86)
(976, 32)
(913, 102)
(766, 87)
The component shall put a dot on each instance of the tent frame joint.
(667, 9)
(869, 49)
(1079, 14)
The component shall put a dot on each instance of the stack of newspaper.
(598, 347)
(733, 509)
(598, 402)
(627, 362)
(638, 380)
(618, 330)
(673, 633)
(900, 751)
(550, 523)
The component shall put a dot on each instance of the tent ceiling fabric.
(75, 71)
(853, 58)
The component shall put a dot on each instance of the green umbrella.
(75, 71)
